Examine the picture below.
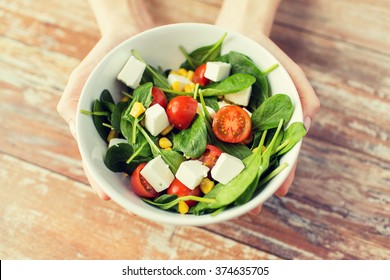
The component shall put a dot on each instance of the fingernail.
(256, 211)
(72, 127)
(307, 123)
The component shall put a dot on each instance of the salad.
(198, 139)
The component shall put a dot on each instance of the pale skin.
(129, 17)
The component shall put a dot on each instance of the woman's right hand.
(121, 23)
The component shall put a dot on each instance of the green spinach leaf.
(107, 101)
(212, 102)
(202, 54)
(117, 158)
(238, 150)
(242, 64)
(143, 94)
(116, 115)
(99, 120)
(159, 79)
(272, 110)
(231, 84)
(193, 140)
(255, 165)
(169, 201)
(171, 157)
(292, 135)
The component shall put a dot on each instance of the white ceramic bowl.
(160, 47)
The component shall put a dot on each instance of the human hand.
(261, 14)
(67, 106)
(116, 23)
(309, 100)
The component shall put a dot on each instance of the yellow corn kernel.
(125, 99)
(167, 130)
(206, 185)
(137, 110)
(176, 86)
(182, 72)
(173, 72)
(189, 87)
(113, 134)
(190, 75)
(183, 207)
(164, 143)
(263, 148)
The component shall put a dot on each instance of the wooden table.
(338, 206)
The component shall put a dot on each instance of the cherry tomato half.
(181, 110)
(179, 189)
(139, 184)
(232, 124)
(210, 156)
(158, 97)
(199, 75)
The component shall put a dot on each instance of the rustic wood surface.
(337, 208)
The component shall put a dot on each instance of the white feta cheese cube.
(178, 78)
(217, 71)
(191, 173)
(156, 119)
(226, 168)
(222, 104)
(209, 109)
(116, 141)
(132, 72)
(240, 98)
(157, 173)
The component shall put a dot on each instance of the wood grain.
(57, 218)
(337, 208)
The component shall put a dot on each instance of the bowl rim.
(176, 218)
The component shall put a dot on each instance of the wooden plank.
(167, 12)
(47, 216)
(359, 22)
(31, 26)
(74, 15)
(24, 87)
(337, 208)
(355, 101)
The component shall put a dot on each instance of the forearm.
(118, 16)
(248, 16)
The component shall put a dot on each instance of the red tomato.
(179, 189)
(181, 110)
(158, 97)
(199, 75)
(232, 124)
(139, 184)
(210, 156)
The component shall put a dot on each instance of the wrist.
(250, 17)
(126, 17)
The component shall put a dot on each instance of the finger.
(309, 100)
(131, 213)
(256, 211)
(95, 186)
(283, 189)
(67, 106)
